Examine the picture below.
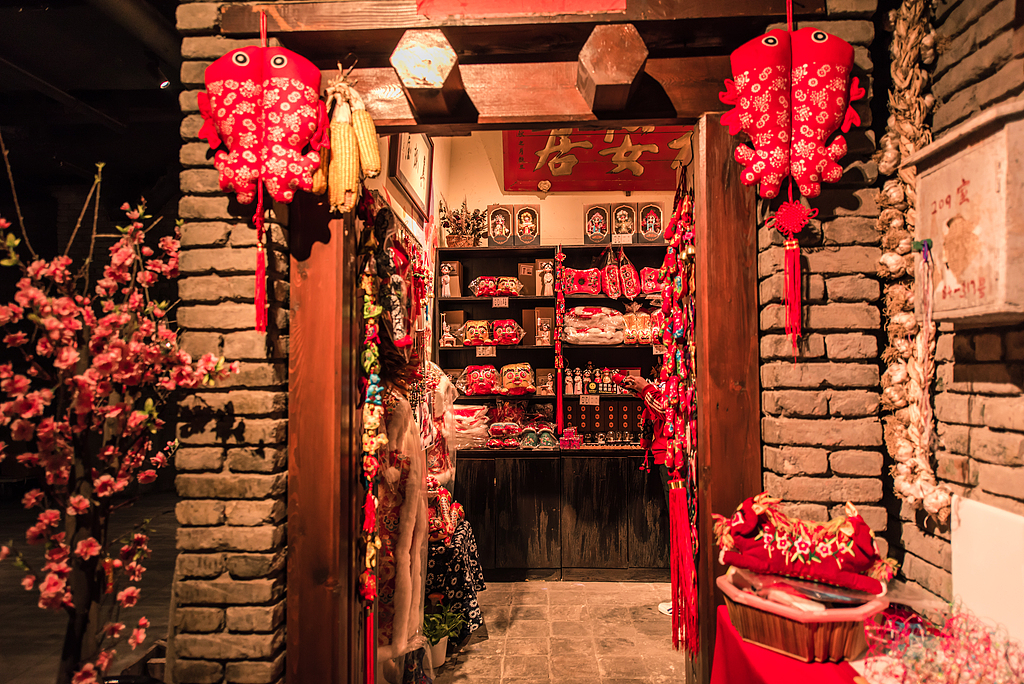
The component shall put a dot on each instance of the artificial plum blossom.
(128, 597)
(137, 637)
(77, 505)
(87, 548)
(80, 403)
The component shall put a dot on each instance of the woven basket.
(459, 240)
(830, 636)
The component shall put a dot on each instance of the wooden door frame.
(324, 453)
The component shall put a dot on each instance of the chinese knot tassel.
(790, 219)
(685, 630)
(261, 265)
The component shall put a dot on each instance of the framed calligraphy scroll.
(636, 158)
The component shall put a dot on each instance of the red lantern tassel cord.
(371, 647)
(790, 219)
(261, 264)
(685, 630)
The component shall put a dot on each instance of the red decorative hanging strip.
(790, 219)
(257, 222)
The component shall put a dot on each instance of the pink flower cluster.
(81, 403)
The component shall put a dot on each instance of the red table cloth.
(737, 662)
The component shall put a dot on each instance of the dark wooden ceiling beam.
(536, 95)
(361, 15)
(609, 66)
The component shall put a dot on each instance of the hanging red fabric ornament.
(792, 90)
(263, 105)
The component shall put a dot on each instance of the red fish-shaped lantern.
(263, 105)
(792, 90)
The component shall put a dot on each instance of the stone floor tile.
(569, 612)
(491, 646)
(515, 646)
(524, 666)
(614, 646)
(529, 599)
(568, 598)
(648, 612)
(622, 666)
(529, 612)
(566, 628)
(535, 679)
(494, 598)
(665, 665)
(503, 586)
(571, 646)
(613, 629)
(607, 613)
(529, 628)
(478, 666)
(624, 680)
(653, 628)
(564, 667)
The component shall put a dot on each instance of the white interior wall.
(475, 174)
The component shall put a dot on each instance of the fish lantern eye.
(278, 61)
(770, 41)
(819, 36)
(240, 58)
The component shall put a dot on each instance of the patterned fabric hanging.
(792, 90)
(678, 375)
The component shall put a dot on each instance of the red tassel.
(261, 264)
(369, 513)
(371, 647)
(685, 631)
(790, 219)
(793, 301)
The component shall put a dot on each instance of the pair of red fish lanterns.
(792, 90)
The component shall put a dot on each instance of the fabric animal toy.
(263, 104)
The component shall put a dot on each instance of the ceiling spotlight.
(165, 82)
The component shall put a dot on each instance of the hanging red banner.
(635, 158)
(507, 8)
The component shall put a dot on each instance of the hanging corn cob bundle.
(353, 145)
(343, 174)
(320, 175)
(366, 134)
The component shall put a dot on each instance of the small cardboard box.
(526, 277)
(529, 326)
(527, 219)
(544, 281)
(544, 321)
(651, 223)
(499, 225)
(623, 223)
(451, 279)
(596, 228)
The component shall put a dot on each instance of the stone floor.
(31, 638)
(569, 633)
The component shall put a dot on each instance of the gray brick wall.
(232, 467)
(820, 428)
(979, 407)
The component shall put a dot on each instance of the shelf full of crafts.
(534, 336)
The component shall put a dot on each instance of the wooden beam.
(323, 454)
(609, 66)
(728, 386)
(364, 15)
(428, 69)
(542, 94)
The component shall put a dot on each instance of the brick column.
(821, 431)
(232, 466)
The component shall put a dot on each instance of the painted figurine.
(446, 280)
(547, 280)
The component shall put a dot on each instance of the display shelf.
(610, 397)
(570, 345)
(473, 398)
(569, 249)
(496, 251)
(507, 453)
(487, 300)
(590, 297)
(471, 347)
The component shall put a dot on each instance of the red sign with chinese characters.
(636, 158)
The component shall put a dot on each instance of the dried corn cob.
(366, 133)
(343, 174)
(320, 175)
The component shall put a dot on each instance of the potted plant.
(439, 626)
(461, 227)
